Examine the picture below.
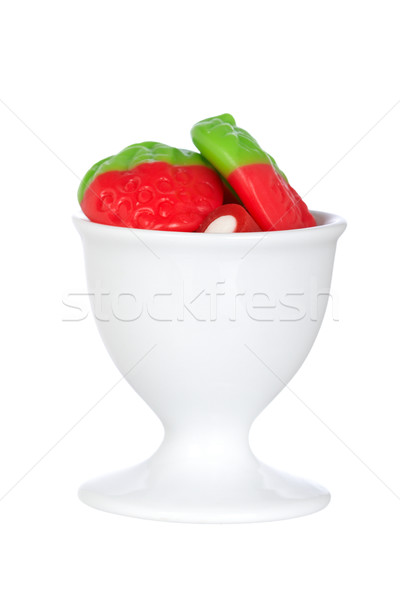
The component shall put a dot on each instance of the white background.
(317, 84)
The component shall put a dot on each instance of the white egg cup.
(208, 329)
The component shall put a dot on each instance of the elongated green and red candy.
(252, 173)
(151, 186)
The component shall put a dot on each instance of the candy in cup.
(252, 173)
(207, 329)
(229, 218)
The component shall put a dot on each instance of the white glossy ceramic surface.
(229, 319)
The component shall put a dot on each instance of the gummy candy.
(151, 186)
(229, 218)
(252, 173)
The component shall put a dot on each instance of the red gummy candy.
(229, 218)
(154, 195)
(273, 203)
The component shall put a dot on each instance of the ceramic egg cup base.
(198, 493)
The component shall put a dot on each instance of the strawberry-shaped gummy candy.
(151, 186)
(253, 174)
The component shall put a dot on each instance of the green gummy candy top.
(227, 146)
(136, 154)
